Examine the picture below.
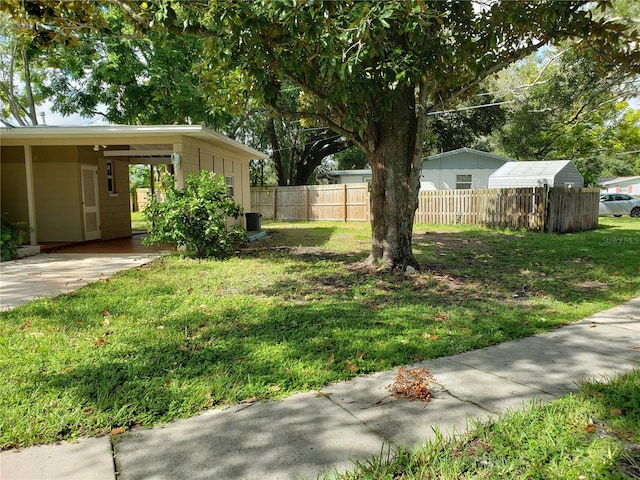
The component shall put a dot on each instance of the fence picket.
(539, 209)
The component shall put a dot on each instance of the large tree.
(22, 72)
(372, 71)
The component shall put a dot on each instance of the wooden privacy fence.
(539, 209)
(347, 202)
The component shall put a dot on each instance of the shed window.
(463, 182)
(111, 178)
(229, 181)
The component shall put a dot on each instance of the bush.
(196, 218)
(11, 237)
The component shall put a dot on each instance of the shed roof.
(546, 168)
(119, 134)
(458, 151)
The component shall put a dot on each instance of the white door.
(90, 205)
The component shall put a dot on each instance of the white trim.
(118, 134)
(137, 153)
(31, 199)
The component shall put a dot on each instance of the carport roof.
(119, 134)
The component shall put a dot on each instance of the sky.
(56, 119)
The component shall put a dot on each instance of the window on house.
(463, 182)
(111, 178)
(229, 181)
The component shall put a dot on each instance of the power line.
(471, 108)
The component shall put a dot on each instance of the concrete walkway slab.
(398, 421)
(89, 459)
(299, 437)
(546, 365)
(488, 391)
(52, 274)
(606, 338)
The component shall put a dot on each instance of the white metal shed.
(554, 173)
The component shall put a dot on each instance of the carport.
(71, 184)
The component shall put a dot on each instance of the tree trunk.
(396, 162)
(277, 158)
(28, 89)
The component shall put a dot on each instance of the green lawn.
(293, 312)
(138, 222)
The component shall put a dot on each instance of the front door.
(90, 205)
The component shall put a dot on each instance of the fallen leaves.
(412, 384)
(117, 431)
(352, 367)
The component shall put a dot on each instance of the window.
(111, 179)
(463, 182)
(229, 181)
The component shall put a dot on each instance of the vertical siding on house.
(56, 178)
(441, 173)
(198, 155)
(13, 185)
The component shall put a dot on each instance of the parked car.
(618, 204)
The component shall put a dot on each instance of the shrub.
(11, 237)
(195, 218)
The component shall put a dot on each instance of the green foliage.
(11, 237)
(139, 177)
(196, 218)
(22, 74)
(134, 79)
(570, 106)
(352, 159)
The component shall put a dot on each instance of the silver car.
(618, 204)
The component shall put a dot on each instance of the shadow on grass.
(326, 319)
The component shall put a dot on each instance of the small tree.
(196, 218)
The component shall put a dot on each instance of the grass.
(291, 313)
(592, 435)
(138, 223)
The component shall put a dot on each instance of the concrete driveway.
(51, 274)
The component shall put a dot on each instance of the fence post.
(307, 201)
(275, 203)
(344, 201)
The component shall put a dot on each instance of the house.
(71, 184)
(464, 168)
(554, 173)
(348, 176)
(621, 185)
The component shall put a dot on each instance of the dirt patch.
(592, 285)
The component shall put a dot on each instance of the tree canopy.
(370, 71)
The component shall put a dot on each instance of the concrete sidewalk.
(313, 433)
